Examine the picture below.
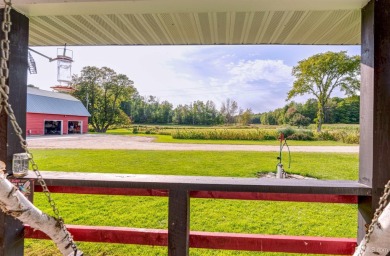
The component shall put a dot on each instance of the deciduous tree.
(246, 116)
(321, 74)
(102, 90)
(229, 110)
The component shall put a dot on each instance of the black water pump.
(280, 173)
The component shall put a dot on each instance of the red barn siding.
(36, 121)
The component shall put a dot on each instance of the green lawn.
(262, 217)
(202, 163)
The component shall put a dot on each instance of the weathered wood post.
(374, 106)
(11, 230)
(178, 222)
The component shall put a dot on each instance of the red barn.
(54, 113)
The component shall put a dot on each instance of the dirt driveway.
(98, 141)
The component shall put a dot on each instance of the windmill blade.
(32, 67)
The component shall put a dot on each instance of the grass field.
(201, 163)
(168, 139)
(314, 219)
(342, 133)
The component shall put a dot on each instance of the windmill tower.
(64, 68)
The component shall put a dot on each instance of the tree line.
(149, 110)
(336, 110)
(112, 99)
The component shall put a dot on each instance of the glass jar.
(20, 164)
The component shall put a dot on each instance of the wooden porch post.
(11, 230)
(178, 222)
(374, 107)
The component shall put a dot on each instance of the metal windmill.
(64, 67)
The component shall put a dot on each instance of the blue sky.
(257, 77)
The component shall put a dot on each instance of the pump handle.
(281, 137)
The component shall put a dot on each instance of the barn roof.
(46, 102)
(194, 22)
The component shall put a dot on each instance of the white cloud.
(254, 84)
(274, 71)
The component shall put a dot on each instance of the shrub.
(164, 133)
(270, 137)
(135, 130)
(349, 136)
(352, 138)
(339, 135)
(300, 136)
(325, 135)
(225, 134)
(287, 131)
(150, 132)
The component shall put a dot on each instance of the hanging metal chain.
(382, 204)
(4, 72)
(4, 104)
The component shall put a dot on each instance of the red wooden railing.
(178, 238)
(209, 240)
(313, 198)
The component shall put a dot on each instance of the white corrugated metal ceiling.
(188, 22)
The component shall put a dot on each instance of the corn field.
(340, 132)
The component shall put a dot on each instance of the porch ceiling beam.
(192, 22)
(74, 7)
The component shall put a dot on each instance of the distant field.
(337, 134)
(262, 217)
(163, 137)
